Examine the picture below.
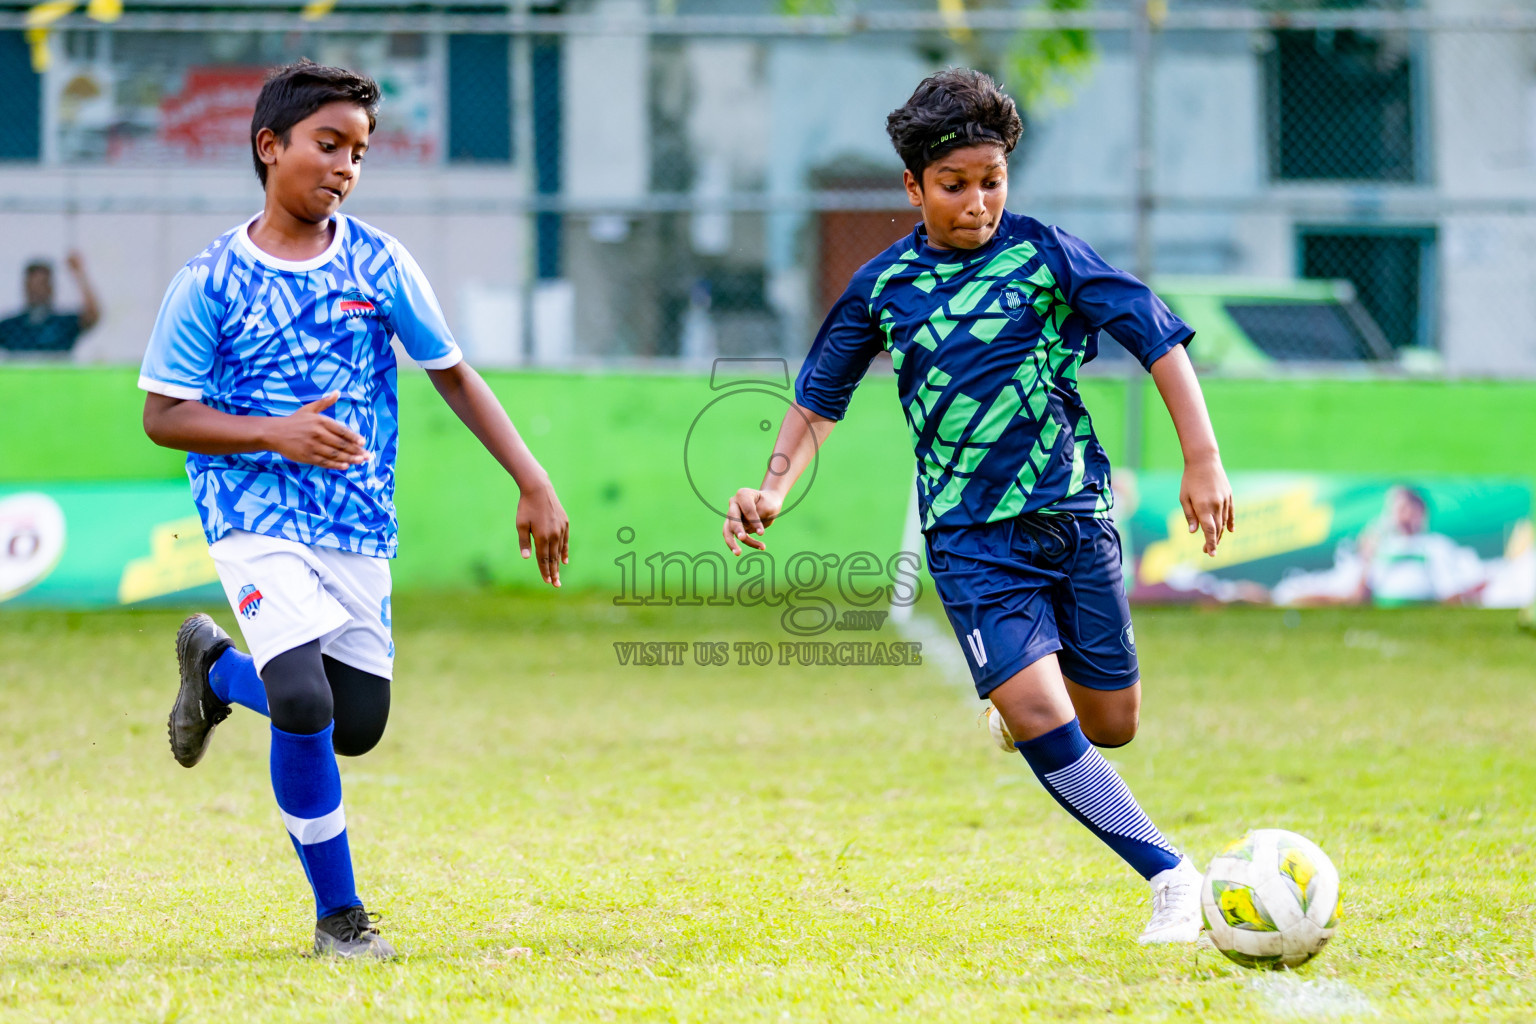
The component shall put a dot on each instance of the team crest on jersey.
(1128, 639)
(249, 601)
(354, 305)
(1014, 301)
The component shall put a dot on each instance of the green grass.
(553, 837)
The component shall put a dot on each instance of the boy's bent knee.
(1109, 718)
(362, 707)
(1109, 738)
(298, 695)
(300, 713)
(1113, 728)
(354, 739)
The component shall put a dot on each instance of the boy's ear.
(266, 146)
(914, 188)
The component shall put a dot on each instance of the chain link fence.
(618, 180)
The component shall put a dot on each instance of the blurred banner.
(1303, 539)
(98, 544)
(1321, 538)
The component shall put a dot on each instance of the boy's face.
(961, 195)
(321, 162)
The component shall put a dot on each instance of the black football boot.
(198, 709)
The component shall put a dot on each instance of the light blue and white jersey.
(252, 335)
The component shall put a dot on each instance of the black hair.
(297, 90)
(38, 266)
(955, 108)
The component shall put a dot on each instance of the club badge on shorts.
(249, 601)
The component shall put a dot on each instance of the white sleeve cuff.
(453, 358)
(159, 387)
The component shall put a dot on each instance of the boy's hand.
(307, 436)
(1207, 500)
(750, 513)
(541, 520)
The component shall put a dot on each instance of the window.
(1391, 268)
(174, 98)
(1309, 331)
(1342, 108)
(20, 131)
(479, 98)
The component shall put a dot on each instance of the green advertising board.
(95, 544)
(1324, 538)
(643, 460)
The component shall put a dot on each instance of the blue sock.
(234, 681)
(308, 789)
(1077, 775)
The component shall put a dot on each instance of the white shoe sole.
(1170, 935)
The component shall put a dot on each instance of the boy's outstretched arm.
(753, 509)
(539, 514)
(1204, 493)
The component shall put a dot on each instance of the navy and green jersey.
(986, 344)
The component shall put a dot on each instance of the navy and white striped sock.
(1077, 775)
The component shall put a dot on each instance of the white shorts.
(286, 594)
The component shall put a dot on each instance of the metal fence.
(680, 179)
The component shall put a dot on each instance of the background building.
(617, 180)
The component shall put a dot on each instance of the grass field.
(553, 837)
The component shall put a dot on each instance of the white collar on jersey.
(243, 239)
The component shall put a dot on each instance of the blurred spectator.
(1397, 560)
(41, 328)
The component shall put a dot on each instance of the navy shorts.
(1022, 588)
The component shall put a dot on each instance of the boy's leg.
(1102, 679)
(304, 774)
(1109, 718)
(234, 680)
(1098, 642)
(281, 592)
(997, 592)
(1035, 705)
(1039, 714)
(362, 707)
(307, 784)
(359, 658)
(361, 698)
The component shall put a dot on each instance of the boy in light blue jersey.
(271, 364)
(987, 316)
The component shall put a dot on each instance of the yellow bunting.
(953, 13)
(49, 11)
(317, 9)
(104, 10)
(39, 17)
(42, 53)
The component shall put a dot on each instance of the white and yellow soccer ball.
(998, 730)
(1271, 899)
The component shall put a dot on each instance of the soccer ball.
(1271, 899)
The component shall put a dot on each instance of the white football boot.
(999, 730)
(1175, 905)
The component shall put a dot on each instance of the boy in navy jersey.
(987, 316)
(271, 364)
